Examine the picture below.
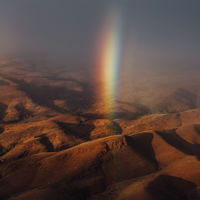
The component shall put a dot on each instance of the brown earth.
(54, 144)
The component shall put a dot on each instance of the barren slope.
(55, 142)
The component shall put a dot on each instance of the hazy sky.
(159, 32)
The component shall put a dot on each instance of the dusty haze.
(160, 42)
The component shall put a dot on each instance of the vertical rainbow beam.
(110, 60)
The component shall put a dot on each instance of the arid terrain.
(57, 144)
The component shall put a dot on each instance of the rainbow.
(110, 60)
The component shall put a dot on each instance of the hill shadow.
(114, 128)
(197, 128)
(44, 95)
(172, 138)
(81, 131)
(3, 108)
(166, 187)
(3, 82)
(1, 129)
(23, 112)
(142, 145)
(46, 142)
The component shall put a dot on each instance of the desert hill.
(55, 142)
(109, 167)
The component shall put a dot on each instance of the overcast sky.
(159, 32)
